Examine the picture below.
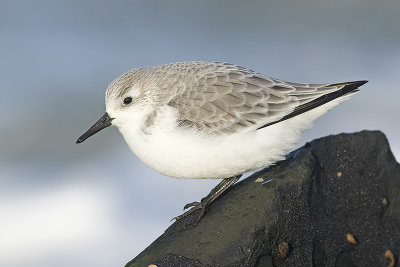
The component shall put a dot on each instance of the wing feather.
(226, 98)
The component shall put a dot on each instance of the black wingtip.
(348, 87)
(360, 83)
(354, 84)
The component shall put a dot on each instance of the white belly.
(184, 154)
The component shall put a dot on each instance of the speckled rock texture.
(333, 202)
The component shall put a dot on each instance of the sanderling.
(212, 119)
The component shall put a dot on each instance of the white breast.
(183, 153)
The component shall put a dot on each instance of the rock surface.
(333, 202)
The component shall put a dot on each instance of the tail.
(348, 89)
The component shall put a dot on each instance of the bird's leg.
(206, 201)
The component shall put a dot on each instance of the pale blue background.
(96, 204)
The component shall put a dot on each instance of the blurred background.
(96, 204)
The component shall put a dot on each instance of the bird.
(213, 120)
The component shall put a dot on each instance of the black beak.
(104, 122)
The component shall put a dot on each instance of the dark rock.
(327, 189)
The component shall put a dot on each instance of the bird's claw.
(195, 206)
(191, 204)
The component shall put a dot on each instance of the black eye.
(127, 100)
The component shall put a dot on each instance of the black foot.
(202, 206)
(205, 202)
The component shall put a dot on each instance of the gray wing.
(228, 98)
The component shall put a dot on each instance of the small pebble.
(339, 174)
(351, 239)
(384, 201)
(389, 255)
(283, 249)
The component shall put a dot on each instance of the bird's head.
(127, 98)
